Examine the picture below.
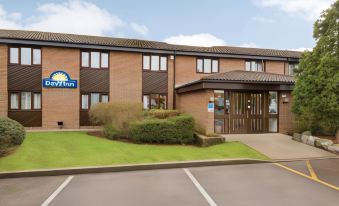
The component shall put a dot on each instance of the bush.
(116, 115)
(12, 134)
(174, 130)
(161, 113)
(110, 132)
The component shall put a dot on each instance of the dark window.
(24, 101)
(154, 63)
(154, 101)
(24, 55)
(256, 66)
(207, 65)
(291, 68)
(94, 59)
(88, 100)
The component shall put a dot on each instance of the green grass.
(42, 150)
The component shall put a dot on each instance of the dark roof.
(136, 43)
(250, 77)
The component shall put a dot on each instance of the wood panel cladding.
(94, 80)
(24, 78)
(27, 118)
(154, 82)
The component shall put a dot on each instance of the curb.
(130, 167)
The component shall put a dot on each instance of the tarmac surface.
(300, 183)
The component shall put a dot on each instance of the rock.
(311, 139)
(204, 141)
(323, 143)
(334, 149)
(304, 138)
(296, 137)
(307, 133)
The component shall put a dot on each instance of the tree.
(316, 92)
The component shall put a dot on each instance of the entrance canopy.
(241, 80)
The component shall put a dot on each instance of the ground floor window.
(88, 100)
(25, 100)
(154, 101)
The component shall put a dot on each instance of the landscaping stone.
(333, 148)
(204, 141)
(311, 139)
(323, 143)
(296, 137)
(304, 138)
(307, 133)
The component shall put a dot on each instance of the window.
(273, 102)
(219, 126)
(104, 98)
(291, 68)
(84, 101)
(84, 59)
(219, 102)
(104, 60)
(273, 125)
(14, 55)
(154, 101)
(14, 101)
(207, 65)
(256, 66)
(95, 99)
(36, 56)
(37, 101)
(26, 100)
(154, 63)
(26, 56)
(94, 59)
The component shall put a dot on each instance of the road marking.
(309, 177)
(200, 188)
(310, 169)
(57, 191)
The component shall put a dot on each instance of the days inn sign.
(59, 79)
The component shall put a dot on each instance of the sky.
(277, 24)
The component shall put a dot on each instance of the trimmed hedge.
(12, 134)
(174, 130)
(162, 113)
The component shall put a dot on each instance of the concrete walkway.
(279, 146)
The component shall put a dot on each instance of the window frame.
(19, 101)
(89, 99)
(149, 98)
(263, 62)
(19, 54)
(295, 66)
(89, 51)
(150, 62)
(203, 65)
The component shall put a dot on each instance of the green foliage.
(161, 113)
(178, 129)
(110, 132)
(116, 115)
(12, 134)
(316, 92)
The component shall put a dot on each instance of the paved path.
(279, 146)
(236, 185)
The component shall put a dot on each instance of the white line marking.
(57, 191)
(200, 188)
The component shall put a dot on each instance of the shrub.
(116, 114)
(110, 132)
(161, 113)
(174, 130)
(12, 134)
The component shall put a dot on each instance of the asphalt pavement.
(313, 182)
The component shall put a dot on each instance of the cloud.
(310, 9)
(301, 49)
(71, 16)
(202, 39)
(140, 28)
(262, 19)
(249, 45)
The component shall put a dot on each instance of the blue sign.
(59, 79)
(210, 107)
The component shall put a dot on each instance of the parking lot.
(256, 184)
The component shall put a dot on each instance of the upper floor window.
(256, 66)
(94, 59)
(24, 56)
(207, 65)
(291, 68)
(154, 63)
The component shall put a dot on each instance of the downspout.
(174, 92)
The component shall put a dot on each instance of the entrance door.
(246, 114)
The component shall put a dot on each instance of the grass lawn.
(42, 150)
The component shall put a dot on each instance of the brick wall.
(286, 116)
(277, 67)
(60, 104)
(3, 80)
(170, 78)
(195, 104)
(125, 76)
